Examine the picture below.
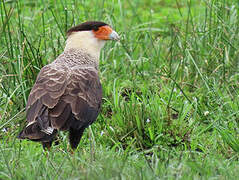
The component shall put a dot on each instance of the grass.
(170, 107)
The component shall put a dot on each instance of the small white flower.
(148, 120)
(112, 129)
(206, 113)
(101, 133)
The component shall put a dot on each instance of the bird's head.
(90, 36)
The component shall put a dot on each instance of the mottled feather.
(67, 94)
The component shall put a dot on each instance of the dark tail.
(33, 132)
(21, 135)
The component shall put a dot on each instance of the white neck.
(86, 41)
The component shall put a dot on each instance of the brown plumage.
(67, 93)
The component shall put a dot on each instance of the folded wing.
(62, 98)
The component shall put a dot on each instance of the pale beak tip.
(114, 36)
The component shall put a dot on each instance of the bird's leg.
(47, 145)
(72, 152)
(75, 136)
(70, 149)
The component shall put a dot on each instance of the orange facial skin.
(103, 32)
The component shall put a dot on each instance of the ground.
(170, 104)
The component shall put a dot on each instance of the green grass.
(171, 87)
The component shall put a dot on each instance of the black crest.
(86, 26)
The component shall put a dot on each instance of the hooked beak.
(114, 36)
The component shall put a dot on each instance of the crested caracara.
(67, 93)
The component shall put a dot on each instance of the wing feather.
(59, 121)
(46, 91)
(65, 93)
(57, 110)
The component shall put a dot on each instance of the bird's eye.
(95, 28)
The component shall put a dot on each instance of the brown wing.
(59, 94)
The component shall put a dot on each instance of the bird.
(67, 94)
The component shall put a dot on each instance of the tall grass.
(170, 106)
